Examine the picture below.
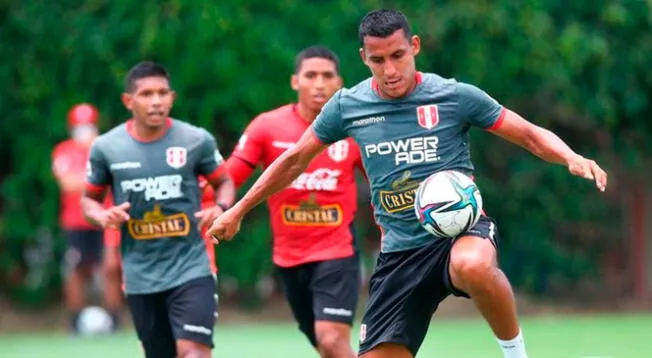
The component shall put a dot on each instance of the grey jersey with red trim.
(161, 244)
(405, 140)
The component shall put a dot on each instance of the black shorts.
(406, 289)
(85, 248)
(185, 312)
(322, 291)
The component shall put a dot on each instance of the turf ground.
(550, 337)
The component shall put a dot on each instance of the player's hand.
(115, 216)
(588, 169)
(208, 215)
(225, 226)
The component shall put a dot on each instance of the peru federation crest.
(338, 151)
(176, 157)
(428, 116)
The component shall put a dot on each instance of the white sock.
(513, 348)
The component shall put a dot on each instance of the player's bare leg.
(474, 270)
(74, 291)
(112, 282)
(190, 349)
(388, 350)
(333, 339)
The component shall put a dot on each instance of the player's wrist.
(98, 218)
(239, 209)
(572, 158)
(223, 206)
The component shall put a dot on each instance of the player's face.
(151, 101)
(391, 61)
(84, 133)
(316, 81)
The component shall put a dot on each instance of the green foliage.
(577, 67)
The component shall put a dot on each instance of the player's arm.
(239, 169)
(98, 179)
(211, 167)
(248, 152)
(91, 204)
(538, 140)
(548, 146)
(327, 128)
(358, 163)
(223, 186)
(69, 181)
(485, 112)
(287, 167)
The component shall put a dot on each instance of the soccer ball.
(448, 203)
(94, 321)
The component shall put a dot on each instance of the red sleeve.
(60, 163)
(108, 199)
(239, 170)
(207, 193)
(251, 145)
(215, 174)
(94, 188)
(498, 121)
(357, 159)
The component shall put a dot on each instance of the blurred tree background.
(580, 68)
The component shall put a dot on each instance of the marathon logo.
(311, 214)
(156, 225)
(402, 195)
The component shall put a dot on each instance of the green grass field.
(551, 337)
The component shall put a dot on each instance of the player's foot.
(513, 348)
(74, 323)
(115, 320)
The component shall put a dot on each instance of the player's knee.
(194, 353)
(388, 350)
(189, 349)
(329, 341)
(471, 265)
(332, 337)
(78, 274)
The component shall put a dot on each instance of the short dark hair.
(382, 23)
(316, 51)
(142, 70)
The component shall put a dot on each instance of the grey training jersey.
(161, 244)
(405, 140)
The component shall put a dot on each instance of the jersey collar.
(297, 114)
(132, 131)
(374, 84)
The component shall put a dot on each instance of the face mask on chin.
(84, 133)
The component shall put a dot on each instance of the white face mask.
(84, 133)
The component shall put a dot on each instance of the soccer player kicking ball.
(410, 125)
(313, 247)
(151, 163)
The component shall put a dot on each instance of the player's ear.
(415, 42)
(340, 82)
(173, 94)
(363, 56)
(127, 100)
(294, 82)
